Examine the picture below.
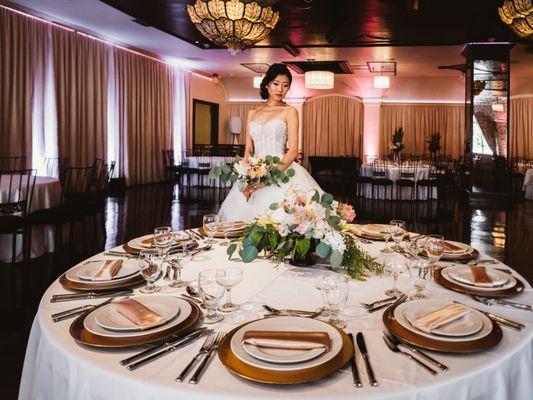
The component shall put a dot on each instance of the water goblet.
(210, 223)
(387, 232)
(434, 246)
(334, 294)
(176, 259)
(150, 265)
(420, 272)
(211, 292)
(399, 233)
(163, 238)
(225, 227)
(395, 266)
(231, 278)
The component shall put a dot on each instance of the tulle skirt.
(235, 207)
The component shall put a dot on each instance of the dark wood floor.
(501, 231)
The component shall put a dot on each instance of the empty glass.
(163, 238)
(211, 292)
(434, 247)
(210, 223)
(225, 227)
(397, 234)
(395, 266)
(150, 265)
(334, 290)
(387, 232)
(231, 278)
(420, 276)
(176, 260)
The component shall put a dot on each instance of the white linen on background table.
(194, 162)
(528, 184)
(56, 367)
(393, 173)
(46, 194)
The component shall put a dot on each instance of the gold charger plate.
(424, 342)
(220, 235)
(82, 286)
(518, 288)
(83, 336)
(358, 232)
(255, 374)
(134, 251)
(456, 257)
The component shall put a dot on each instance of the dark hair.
(273, 71)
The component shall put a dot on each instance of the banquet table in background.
(46, 194)
(211, 161)
(56, 367)
(392, 172)
(528, 184)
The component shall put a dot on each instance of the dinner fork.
(60, 316)
(396, 349)
(196, 376)
(375, 303)
(203, 350)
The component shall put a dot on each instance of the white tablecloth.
(528, 184)
(194, 162)
(393, 173)
(56, 367)
(46, 194)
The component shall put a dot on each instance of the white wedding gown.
(269, 138)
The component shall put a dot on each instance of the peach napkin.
(108, 270)
(441, 317)
(480, 276)
(451, 248)
(287, 340)
(138, 313)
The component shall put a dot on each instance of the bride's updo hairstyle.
(273, 71)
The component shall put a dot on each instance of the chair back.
(204, 162)
(56, 167)
(12, 163)
(78, 181)
(379, 168)
(111, 170)
(408, 170)
(16, 191)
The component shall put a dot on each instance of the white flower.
(241, 168)
(279, 216)
(335, 240)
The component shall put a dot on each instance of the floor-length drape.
(238, 110)
(332, 126)
(521, 127)
(419, 121)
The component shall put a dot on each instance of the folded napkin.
(138, 313)
(451, 248)
(287, 340)
(480, 277)
(441, 317)
(108, 270)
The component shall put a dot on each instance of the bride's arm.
(292, 140)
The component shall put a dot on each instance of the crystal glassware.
(150, 266)
(231, 278)
(420, 276)
(334, 288)
(387, 232)
(395, 266)
(210, 224)
(211, 292)
(163, 238)
(224, 227)
(176, 259)
(397, 234)
(434, 246)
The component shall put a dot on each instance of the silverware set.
(89, 295)
(489, 301)
(115, 253)
(378, 304)
(60, 316)
(360, 340)
(274, 312)
(393, 347)
(205, 353)
(193, 234)
(499, 319)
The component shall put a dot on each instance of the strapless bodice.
(270, 138)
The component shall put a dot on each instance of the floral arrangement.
(253, 171)
(396, 144)
(357, 262)
(297, 226)
(434, 143)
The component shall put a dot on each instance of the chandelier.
(319, 79)
(235, 24)
(518, 14)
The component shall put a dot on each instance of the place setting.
(162, 240)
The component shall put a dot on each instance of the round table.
(194, 162)
(56, 367)
(46, 194)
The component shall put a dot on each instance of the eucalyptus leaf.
(335, 259)
(323, 250)
(231, 249)
(249, 253)
(302, 246)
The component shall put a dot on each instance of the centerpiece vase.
(306, 261)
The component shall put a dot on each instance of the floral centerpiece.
(396, 144)
(298, 226)
(434, 144)
(253, 171)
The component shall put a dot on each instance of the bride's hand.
(248, 190)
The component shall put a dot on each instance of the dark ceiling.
(346, 23)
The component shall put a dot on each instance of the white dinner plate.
(420, 308)
(136, 243)
(460, 275)
(87, 271)
(286, 324)
(127, 265)
(282, 356)
(175, 303)
(236, 226)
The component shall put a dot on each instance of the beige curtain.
(237, 110)
(332, 126)
(521, 127)
(80, 72)
(419, 121)
(21, 50)
(145, 90)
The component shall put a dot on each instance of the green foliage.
(397, 140)
(358, 263)
(434, 143)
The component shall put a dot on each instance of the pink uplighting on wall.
(371, 128)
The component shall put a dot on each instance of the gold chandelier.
(518, 14)
(236, 24)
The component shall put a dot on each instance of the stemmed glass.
(434, 247)
(231, 278)
(150, 266)
(224, 227)
(334, 290)
(176, 260)
(210, 223)
(420, 275)
(387, 233)
(211, 292)
(163, 238)
(399, 233)
(395, 266)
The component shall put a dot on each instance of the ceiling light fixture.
(381, 81)
(518, 14)
(235, 24)
(319, 80)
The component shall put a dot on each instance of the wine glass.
(395, 266)
(176, 260)
(210, 223)
(398, 233)
(211, 292)
(224, 227)
(231, 278)
(150, 265)
(387, 232)
(420, 276)
(434, 247)
(334, 294)
(163, 238)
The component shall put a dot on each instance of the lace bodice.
(270, 138)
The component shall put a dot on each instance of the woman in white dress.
(271, 129)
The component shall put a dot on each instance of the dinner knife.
(490, 301)
(362, 348)
(497, 318)
(169, 348)
(355, 372)
(88, 295)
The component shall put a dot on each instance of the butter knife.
(362, 348)
(355, 372)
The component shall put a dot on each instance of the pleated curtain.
(238, 110)
(521, 127)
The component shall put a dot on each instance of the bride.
(271, 129)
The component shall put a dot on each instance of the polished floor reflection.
(504, 232)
